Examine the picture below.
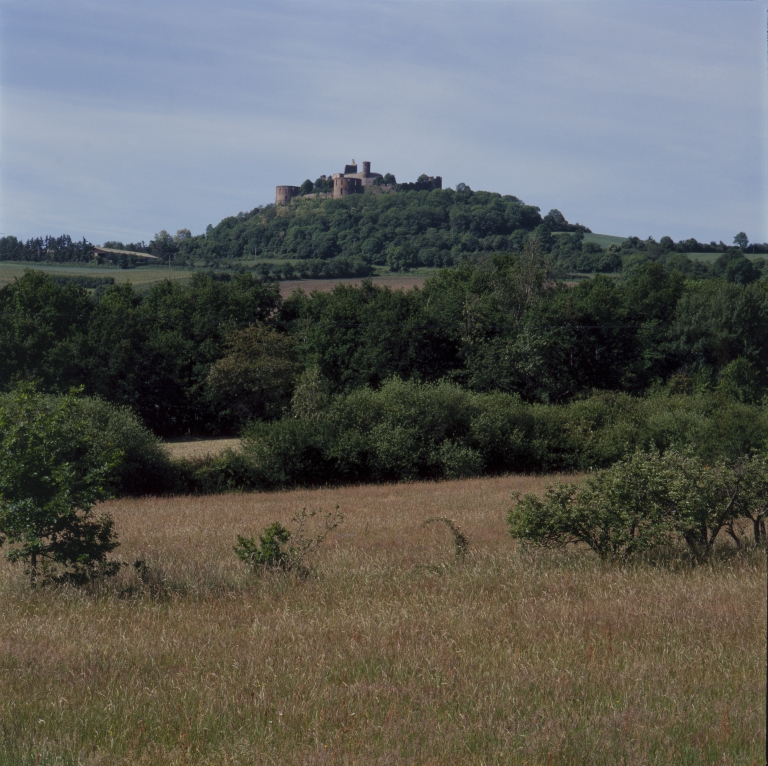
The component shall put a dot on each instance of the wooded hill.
(332, 238)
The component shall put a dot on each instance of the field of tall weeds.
(393, 650)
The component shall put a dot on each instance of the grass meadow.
(193, 449)
(140, 277)
(393, 651)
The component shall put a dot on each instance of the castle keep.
(348, 182)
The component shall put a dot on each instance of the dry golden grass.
(392, 652)
(192, 449)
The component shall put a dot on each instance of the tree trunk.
(759, 527)
(33, 570)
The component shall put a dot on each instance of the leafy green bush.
(459, 461)
(407, 430)
(269, 553)
(646, 501)
(286, 452)
(145, 467)
(272, 550)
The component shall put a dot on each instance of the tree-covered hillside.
(404, 229)
(410, 228)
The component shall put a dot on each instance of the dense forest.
(211, 355)
(497, 363)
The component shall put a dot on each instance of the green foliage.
(495, 323)
(647, 501)
(405, 430)
(741, 240)
(145, 467)
(735, 267)
(149, 351)
(619, 512)
(269, 552)
(46, 249)
(752, 473)
(272, 551)
(88, 282)
(50, 477)
(436, 226)
(459, 461)
(255, 377)
(340, 267)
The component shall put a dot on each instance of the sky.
(122, 118)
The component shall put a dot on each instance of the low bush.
(284, 550)
(146, 467)
(647, 501)
(407, 430)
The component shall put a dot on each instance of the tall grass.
(395, 651)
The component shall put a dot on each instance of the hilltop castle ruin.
(348, 182)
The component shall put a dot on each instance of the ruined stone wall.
(343, 186)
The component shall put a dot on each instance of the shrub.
(408, 430)
(459, 461)
(287, 452)
(646, 501)
(145, 467)
(271, 552)
(229, 471)
(620, 511)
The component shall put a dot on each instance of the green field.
(604, 239)
(139, 276)
(599, 239)
(712, 257)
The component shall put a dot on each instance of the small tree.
(619, 512)
(646, 500)
(741, 240)
(50, 479)
(753, 497)
(703, 499)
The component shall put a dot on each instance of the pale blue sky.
(118, 119)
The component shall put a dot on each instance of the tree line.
(211, 355)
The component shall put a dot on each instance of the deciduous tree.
(50, 478)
